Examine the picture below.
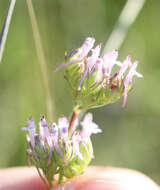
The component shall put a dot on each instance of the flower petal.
(128, 80)
(89, 127)
(63, 127)
(124, 67)
(109, 61)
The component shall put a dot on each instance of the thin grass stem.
(42, 61)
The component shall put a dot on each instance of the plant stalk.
(42, 61)
(43, 179)
(60, 179)
(74, 116)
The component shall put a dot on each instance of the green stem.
(60, 179)
(43, 179)
(49, 178)
(50, 184)
(75, 113)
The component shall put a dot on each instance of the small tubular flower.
(126, 64)
(91, 78)
(78, 54)
(109, 60)
(31, 128)
(86, 47)
(44, 131)
(63, 127)
(128, 80)
(76, 139)
(90, 63)
(89, 127)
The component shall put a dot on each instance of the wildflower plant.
(64, 149)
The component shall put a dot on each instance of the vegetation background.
(131, 135)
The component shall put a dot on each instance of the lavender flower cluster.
(90, 62)
(53, 143)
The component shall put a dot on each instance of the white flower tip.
(62, 121)
(89, 117)
(111, 55)
(24, 129)
(99, 130)
(128, 58)
(114, 53)
(139, 75)
(89, 41)
(136, 63)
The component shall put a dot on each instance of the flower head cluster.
(53, 151)
(91, 77)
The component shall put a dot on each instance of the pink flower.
(31, 128)
(44, 131)
(126, 64)
(90, 63)
(63, 127)
(109, 60)
(128, 80)
(99, 69)
(79, 54)
(86, 47)
(76, 139)
(89, 127)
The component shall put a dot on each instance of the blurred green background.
(131, 135)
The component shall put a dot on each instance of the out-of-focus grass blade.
(3, 35)
(127, 17)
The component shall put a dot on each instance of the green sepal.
(67, 153)
(92, 93)
(40, 157)
(77, 165)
